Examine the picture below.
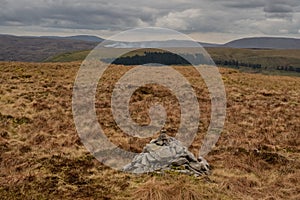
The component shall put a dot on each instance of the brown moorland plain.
(42, 157)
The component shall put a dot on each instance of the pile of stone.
(167, 153)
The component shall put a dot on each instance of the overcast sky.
(204, 20)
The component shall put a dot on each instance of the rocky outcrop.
(167, 153)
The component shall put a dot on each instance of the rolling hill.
(265, 43)
(86, 38)
(270, 61)
(244, 43)
(37, 49)
(268, 53)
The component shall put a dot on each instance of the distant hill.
(159, 44)
(265, 43)
(87, 38)
(269, 61)
(68, 56)
(245, 43)
(263, 59)
(37, 49)
(204, 44)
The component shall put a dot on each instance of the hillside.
(42, 157)
(35, 49)
(69, 56)
(274, 61)
(265, 43)
(280, 60)
(87, 38)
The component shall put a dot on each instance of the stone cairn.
(167, 153)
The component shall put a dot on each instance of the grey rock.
(159, 142)
(163, 139)
(179, 162)
(138, 165)
(139, 170)
(184, 171)
(167, 153)
(145, 160)
(137, 158)
(196, 166)
(151, 147)
(154, 155)
(191, 156)
(179, 149)
(173, 151)
(150, 158)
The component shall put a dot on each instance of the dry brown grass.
(181, 188)
(41, 156)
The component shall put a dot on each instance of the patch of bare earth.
(42, 157)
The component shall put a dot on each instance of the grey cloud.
(279, 15)
(75, 15)
(278, 8)
(220, 16)
(244, 4)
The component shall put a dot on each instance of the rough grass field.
(41, 156)
(270, 58)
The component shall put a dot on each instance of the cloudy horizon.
(216, 21)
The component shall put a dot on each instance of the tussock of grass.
(177, 187)
(152, 189)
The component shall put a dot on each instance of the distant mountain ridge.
(244, 43)
(87, 38)
(265, 43)
(158, 44)
(37, 49)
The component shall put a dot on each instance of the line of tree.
(237, 64)
(288, 68)
(164, 58)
